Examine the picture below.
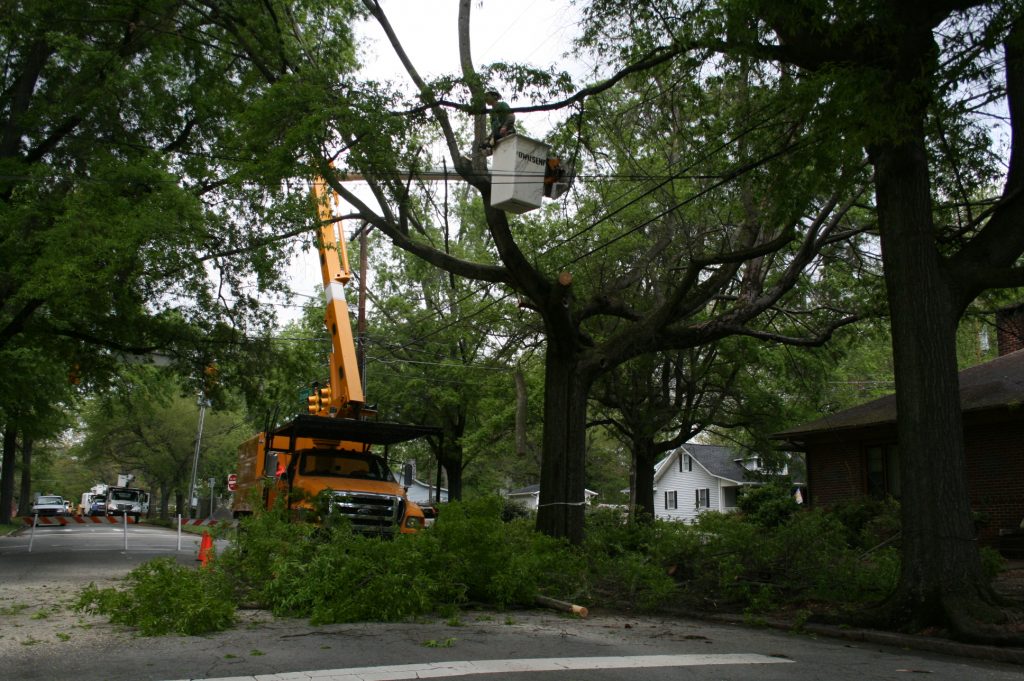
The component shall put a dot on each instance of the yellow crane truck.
(326, 455)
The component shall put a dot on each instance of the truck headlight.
(413, 523)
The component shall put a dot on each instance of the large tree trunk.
(449, 452)
(451, 459)
(25, 502)
(941, 568)
(563, 467)
(7, 474)
(644, 460)
(522, 441)
(165, 501)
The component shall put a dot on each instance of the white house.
(419, 492)
(529, 497)
(698, 478)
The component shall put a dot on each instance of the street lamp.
(203, 404)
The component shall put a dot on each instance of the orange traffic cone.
(205, 546)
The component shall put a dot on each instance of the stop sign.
(232, 482)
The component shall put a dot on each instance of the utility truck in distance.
(130, 501)
(323, 460)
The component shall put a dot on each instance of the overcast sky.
(536, 32)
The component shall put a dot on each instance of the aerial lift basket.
(517, 174)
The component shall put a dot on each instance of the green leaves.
(141, 200)
(162, 597)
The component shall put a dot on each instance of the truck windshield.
(119, 495)
(335, 464)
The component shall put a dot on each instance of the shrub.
(633, 564)
(764, 558)
(331, 574)
(804, 559)
(266, 543)
(163, 597)
(474, 555)
(992, 562)
(768, 505)
(869, 522)
(351, 578)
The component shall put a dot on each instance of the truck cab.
(316, 463)
(129, 501)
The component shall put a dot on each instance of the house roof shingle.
(719, 461)
(996, 384)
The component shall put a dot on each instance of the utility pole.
(203, 404)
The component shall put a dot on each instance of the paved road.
(143, 542)
(489, 646)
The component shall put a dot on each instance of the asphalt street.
(491, 646)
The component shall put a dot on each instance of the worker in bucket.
(503, 121)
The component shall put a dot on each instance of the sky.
(536, 32)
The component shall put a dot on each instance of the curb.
(909, 641)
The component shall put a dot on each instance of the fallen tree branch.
(562, 606)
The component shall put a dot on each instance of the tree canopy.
(137, 212)
(920, 91)
(676, 261)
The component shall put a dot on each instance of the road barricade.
(81, 520)
(194, 522)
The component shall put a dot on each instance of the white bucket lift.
(517, 174)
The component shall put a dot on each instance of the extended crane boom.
(343, 395)
(320, 464)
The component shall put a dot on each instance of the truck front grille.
(368, 512)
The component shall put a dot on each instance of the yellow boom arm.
(346, 390)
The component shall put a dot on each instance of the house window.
(703, 497)
(671, 500)
(883, 471)
(685, 463)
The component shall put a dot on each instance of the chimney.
(1010, 329)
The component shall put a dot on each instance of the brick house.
(853, 453)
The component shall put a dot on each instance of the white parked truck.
(49, 505)
(89, 498)
(127, 501)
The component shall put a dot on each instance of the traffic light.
(319, 399)
(313, 401)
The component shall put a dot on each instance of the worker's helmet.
(493, 93)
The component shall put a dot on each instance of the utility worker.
(503, 121)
